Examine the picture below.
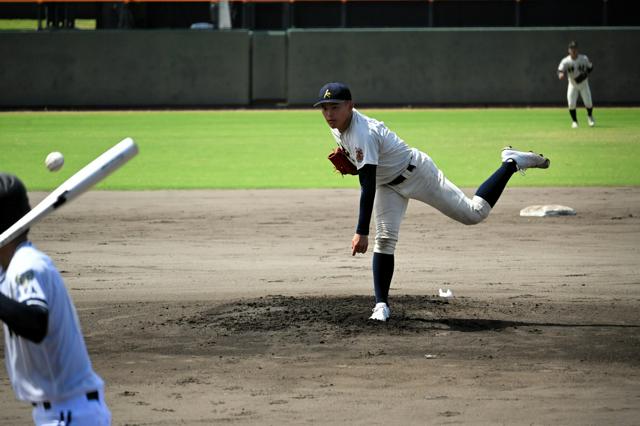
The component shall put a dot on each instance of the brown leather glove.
(342, 163)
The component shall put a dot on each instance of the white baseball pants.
(75, 411)
(581, 89)
(428, 184)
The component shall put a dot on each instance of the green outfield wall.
(269, 67)
(181, 68)
(124, 68)
(464, 66)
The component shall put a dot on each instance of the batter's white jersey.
(369, 141)
(57, 368)
(574, 67)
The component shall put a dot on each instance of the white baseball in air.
(54, 161)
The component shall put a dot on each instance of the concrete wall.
(457, 67)
(269, 66)
(238, 68)
(124, 68)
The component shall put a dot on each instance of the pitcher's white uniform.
(55, 375)
(369, 141)
(572, 68)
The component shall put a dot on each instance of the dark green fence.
(178, 68)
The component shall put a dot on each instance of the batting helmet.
(14, 202)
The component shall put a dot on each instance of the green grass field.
(288, 149)
(32, 24)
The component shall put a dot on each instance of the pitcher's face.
(338, 114)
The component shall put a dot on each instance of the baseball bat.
(84, 179)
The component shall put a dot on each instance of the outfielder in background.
(45, 354)
(391, 173)
(576, 68)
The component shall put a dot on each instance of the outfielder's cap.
(573, 45)
(333, 93)
(14, 202)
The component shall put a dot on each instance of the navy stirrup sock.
(574, 117)
(492, 188)
(382, 274)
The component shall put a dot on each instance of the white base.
(547, 210)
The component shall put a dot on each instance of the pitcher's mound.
(547, 210)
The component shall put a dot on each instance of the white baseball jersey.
(573, 68)
(369, 141)
(58, 367)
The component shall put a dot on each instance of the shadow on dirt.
(348, 315)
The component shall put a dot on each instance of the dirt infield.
(246, 307)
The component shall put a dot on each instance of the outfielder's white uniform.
(572, 68)
(55, 375)
(369, 141)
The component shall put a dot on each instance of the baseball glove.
(581, 77)
(342, 163)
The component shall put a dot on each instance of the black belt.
(401, 178)
(91, 396)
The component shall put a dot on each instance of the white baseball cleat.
(591, 121)
(381, 312)
(525, 160)
(574, 125)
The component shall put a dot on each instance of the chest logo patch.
(359, 155)
(25, 277)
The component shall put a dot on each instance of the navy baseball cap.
(573, 45)
(333, 93)
(14, 202)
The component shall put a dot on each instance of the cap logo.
(327, 94)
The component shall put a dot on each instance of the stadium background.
(230, 304)
(442, 52)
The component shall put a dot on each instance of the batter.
(45, 354)
(391, 173)
(577, 67)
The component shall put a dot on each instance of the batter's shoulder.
(29, 258)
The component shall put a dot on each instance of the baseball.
(54, 161)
